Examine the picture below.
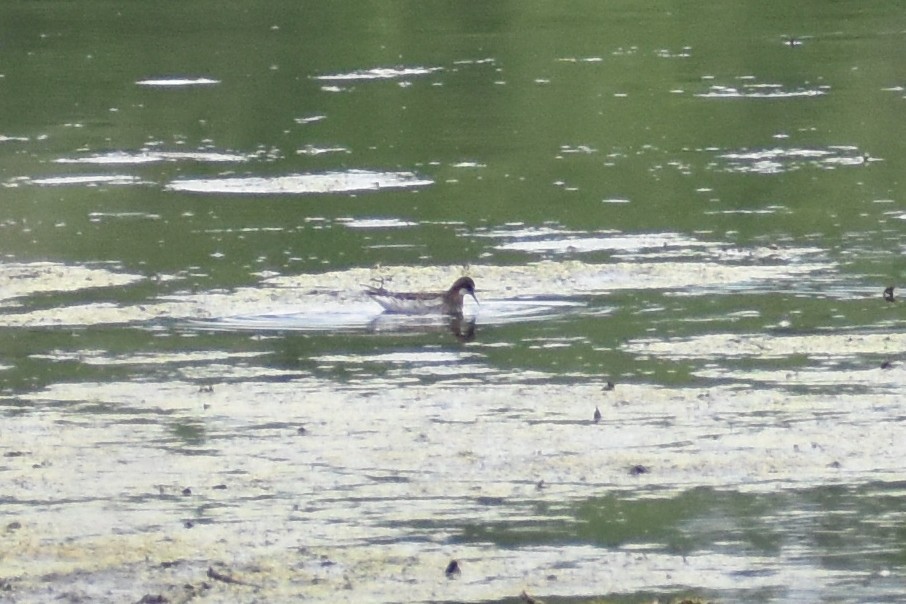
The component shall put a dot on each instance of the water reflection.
(463, 328)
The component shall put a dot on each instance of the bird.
(425, 303)
(527, 599)
(597, 415)
(888, 294)
(453, 569)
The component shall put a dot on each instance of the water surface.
(683, 216)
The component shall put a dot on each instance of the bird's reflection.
(461, 327)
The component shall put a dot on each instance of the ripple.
(760, 91)
(364, 315)
(177, 82)
(327, 182)
(606, 242)
(398, 357)
(777, 160)
(80, 179)
(313, 150)
(150, 157)
(379, 73)
(104, 216)
(375, 223)
(311, 119)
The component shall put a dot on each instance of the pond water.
(683, 216)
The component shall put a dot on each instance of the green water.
(701, 202)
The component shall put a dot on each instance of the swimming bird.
(453, 569)
(527, 599)
(424, 303)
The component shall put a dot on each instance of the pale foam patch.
(471, 457)
(24, 279)
(890, 378)
(337, 300)
(771, 346)
(565, 279)
(104, 358)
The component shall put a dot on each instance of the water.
(699, 203)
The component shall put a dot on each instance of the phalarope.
(423, 303)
